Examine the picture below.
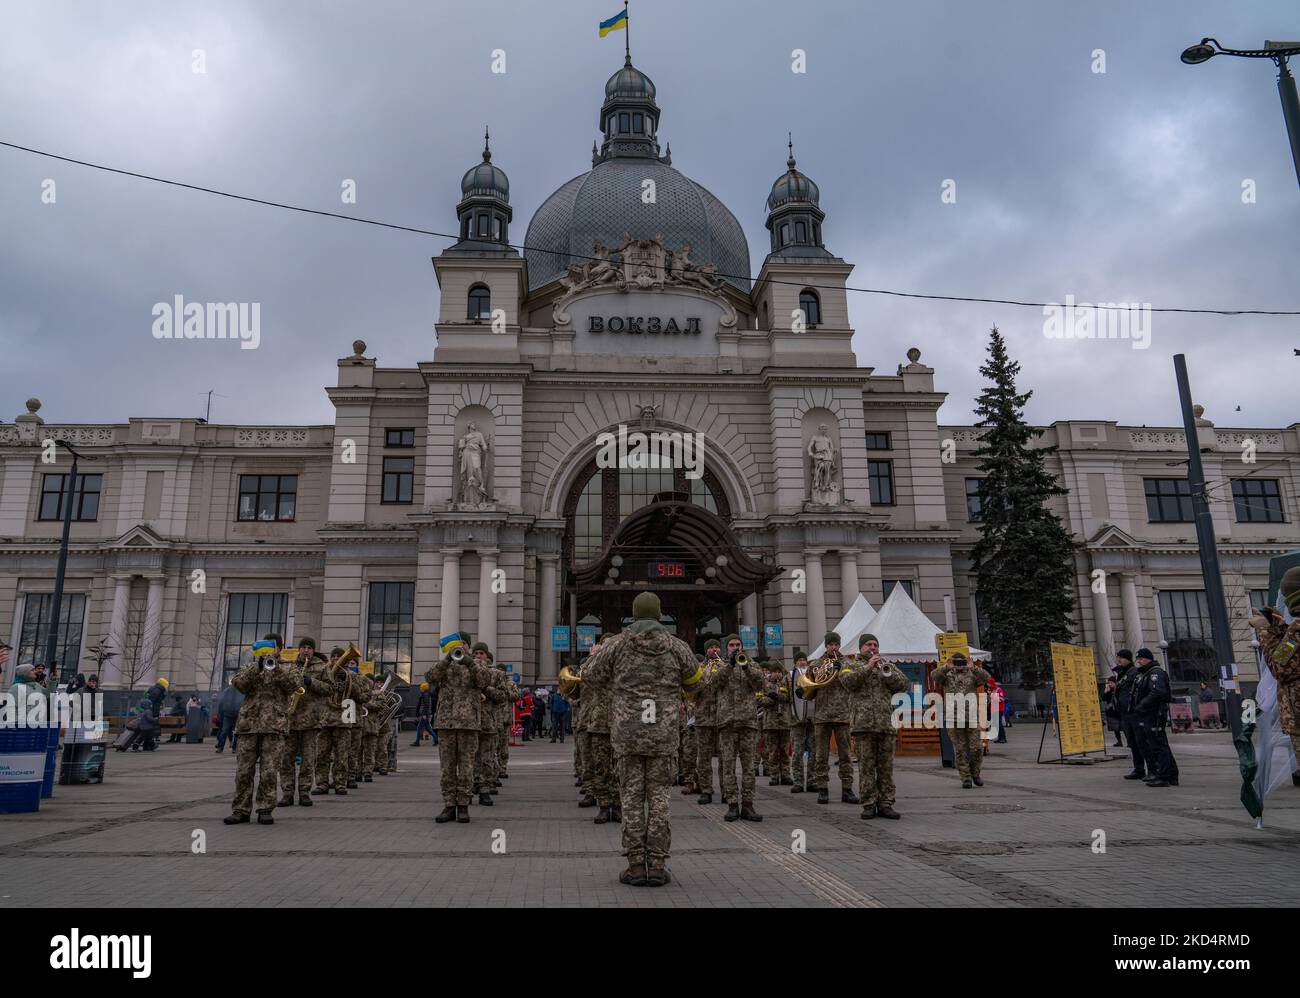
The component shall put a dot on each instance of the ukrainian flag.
(616, 22)
(448, 642)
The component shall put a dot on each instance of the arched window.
(801, 233)
(817, 234)
(624, 122)
(497, 231)
(785, 234)
(811, 306)
(638, 123)
(483, 224)
(480, 302)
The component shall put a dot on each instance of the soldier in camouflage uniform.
(803, 733)
(461, 687)
(299, 756)
(505, 722)
(331, 770)
(1279, 644)
(738, 689)
(356, 729)
(645, 667)
(776, 725)
(374, 755)
(485, 760)
(706, 718)
(832, 718)
(582, 748)
(958, 678)
(689, 745)
(873, 727)
(600, 781)
(267, 683)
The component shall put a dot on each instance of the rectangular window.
(624, 122)
(638, 124)
(1185, 620)
(35, 634)
(483, 225)
(399, 438)
(878, 441)
(974, 505)
(1169, 500)
(390, 627)
(85, 501)
(1258, 599)
(889, 585)
(1258, 500)
(399, 477)
(800, 232)
(785, 233)
(880, 474)
(496, 227)
(250, 616)
(267, 498)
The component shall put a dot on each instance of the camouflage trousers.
(822, 757)
(876, 767)
(967, 750)
(485, 762)
(736, 743)
(300, 744)
(600, 779)
(686, 755)
(260, 753)
(355, 736)
(374, 756)
(331, 772)
(503, 749)
(456, 761)
(645, 782)
(581, 755)
(777, 743)
(803, 738)
(706, 747)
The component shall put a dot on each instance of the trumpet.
(742, 659)
(458, 654)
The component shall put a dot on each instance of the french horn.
(817, 677)
(569, 681)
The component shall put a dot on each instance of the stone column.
(816, 598)
(749, 609)
(549, 566)
(117, 630)
(1132, 615)
(449, 619)
(1105, 636)
(487, 600)
(153, 623)
(848, 580)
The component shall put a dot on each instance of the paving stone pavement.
(1024, 840)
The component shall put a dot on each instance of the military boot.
(367, 778)
(798, 788)
(657, 875)
(978, 782)
(733, 812)
(486, 799)
(774, 781)
(462, 813)
(602, 816)
(588, 801)
(748, 813)
(616, 813)
(339, 791)
(320, 790)
(849, 797)
(264, 818)
(868, 812)
(705, 798)
(787, 782)
(305, 801)
(823, 795)
(236, 819)
(285, 802)
(351, 785)
(885, 811)
(635, 875)
(448, 813)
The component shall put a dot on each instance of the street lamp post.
(70, 495)
(1279, 52)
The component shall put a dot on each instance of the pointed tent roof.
(905, 633)
(851, 625)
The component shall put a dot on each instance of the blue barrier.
(23, 752)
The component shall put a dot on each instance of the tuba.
(817, 676)
(393, 702)
(341, 679)
(569, 681)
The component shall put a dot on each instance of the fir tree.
(1024, 559)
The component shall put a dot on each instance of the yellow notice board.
(950, 644)
(366, 668)
(1078, 707)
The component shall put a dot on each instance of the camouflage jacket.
(461, 688)
(506, 709)
(266, 697)
(645, 668)
(577, 716)
(776, 712)
(375, 703)
(596, 700)
(495, 694)
(1287, 673)
(706, 704)
(834, 703)
(737, 694)
(872, 693)
(313, 706)
(963, 683)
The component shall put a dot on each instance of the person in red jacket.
(524, 714)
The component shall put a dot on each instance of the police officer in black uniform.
(1122, 699)
(1151, 696)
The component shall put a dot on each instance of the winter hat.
(862, 641)
(831, 638)
(309, 642)
(1145, 653)
(646, 606)
(800, 653)
(712, 643)
(481, 646)
(1124, 653)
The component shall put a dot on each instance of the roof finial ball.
(1197, 410)
(33, 405)
(358, 348)
(914, 355)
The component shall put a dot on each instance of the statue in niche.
(471, 451)
(822, 451)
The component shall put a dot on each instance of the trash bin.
(194, 726)
(51, 760)
(22, 766)
(83, 762)
(946, 754)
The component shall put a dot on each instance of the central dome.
(606, 202)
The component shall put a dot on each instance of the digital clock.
(667, 570)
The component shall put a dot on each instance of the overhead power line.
(578, 256)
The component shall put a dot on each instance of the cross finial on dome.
(487, 150)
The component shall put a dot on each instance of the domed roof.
(605, 203)
(792, 186)
(629, 82)
(484, 179)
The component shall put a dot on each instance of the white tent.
(850, 626)
(904, 632)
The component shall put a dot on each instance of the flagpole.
(627, 34)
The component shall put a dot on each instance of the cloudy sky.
(1122, 186)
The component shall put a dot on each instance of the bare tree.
(209, 661)
(142, 645)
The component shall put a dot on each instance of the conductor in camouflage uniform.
(706, 717)
(959, 681)
(457, 721)
(737, 689)
(267, 683)
(300, 750)
(600, 782)
(776, 725)
(873, 685)
(645, 668)
(332, 738)
(832, 717)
